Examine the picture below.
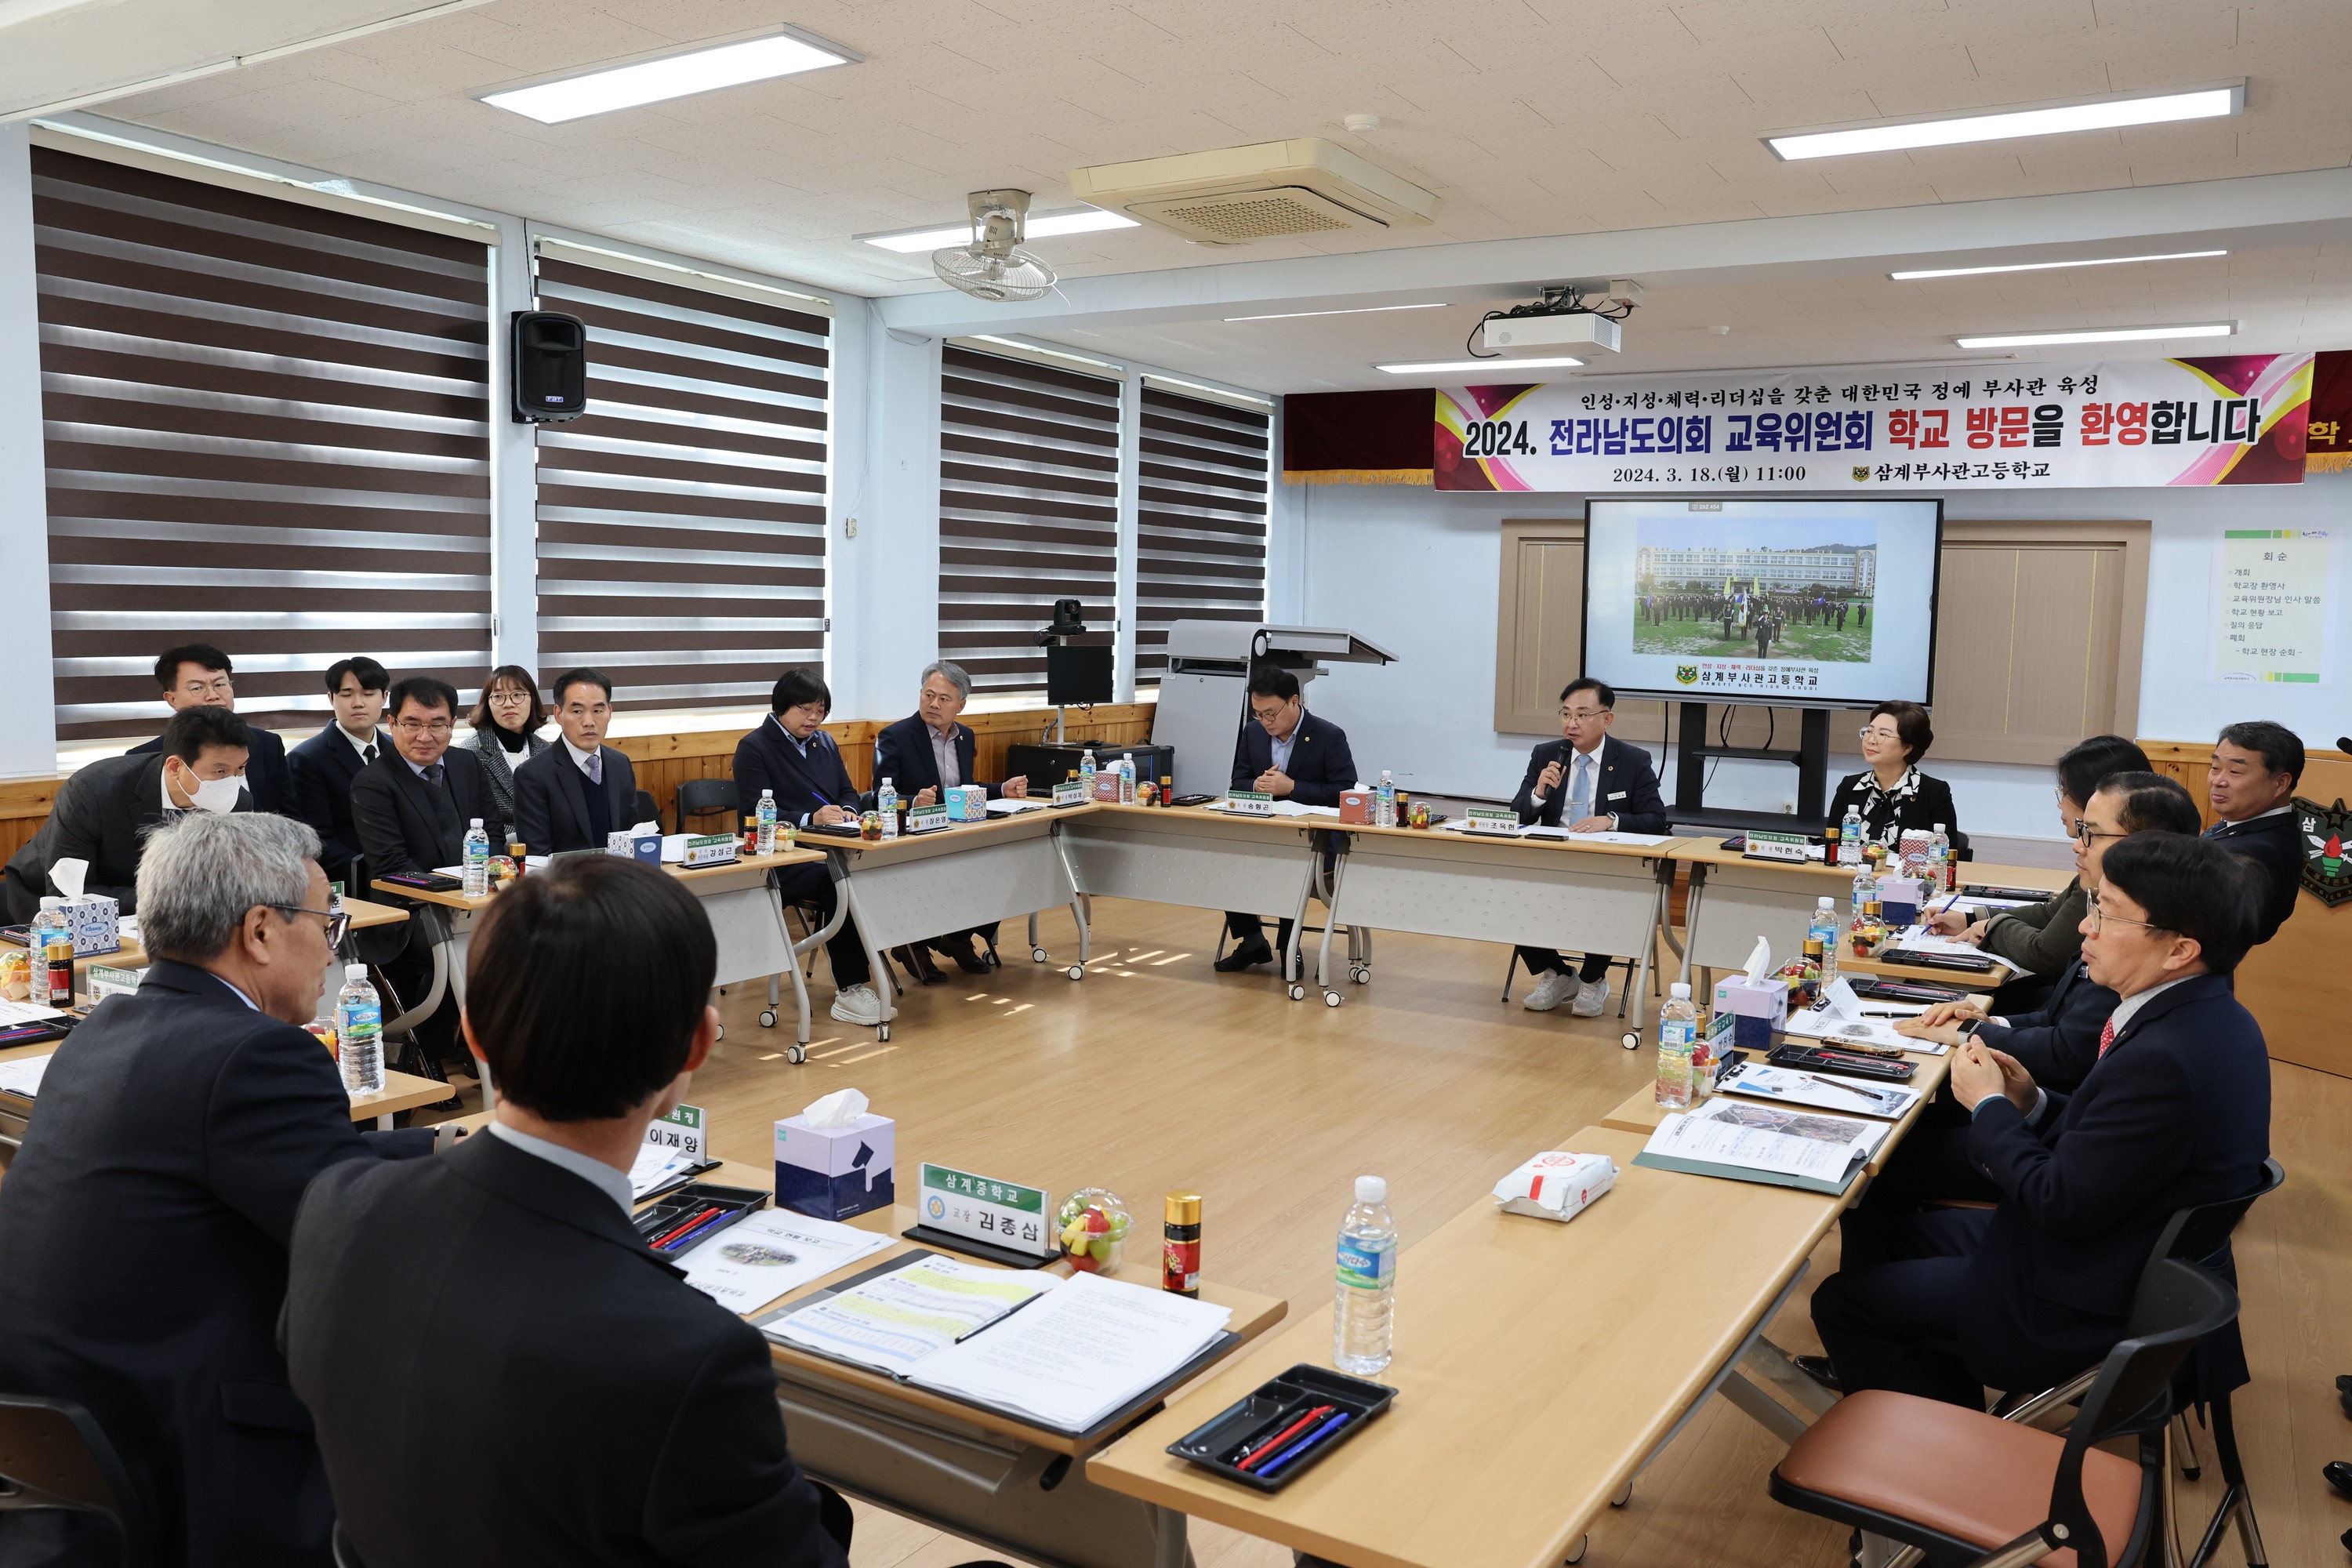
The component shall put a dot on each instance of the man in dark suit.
(2251, 782)
(319, 772)
(586, 1403)
(197, 675)
(791, 756)
(143, 1225)
(1587, 780)
(580, 790)
(1291, 755)
(105, 811)
(2175, 1111)
(928, 752)
(411, 808)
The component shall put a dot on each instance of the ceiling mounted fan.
(993, 265)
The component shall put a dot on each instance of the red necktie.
(2107, 1037)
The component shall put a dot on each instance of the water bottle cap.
(356, 972)
(1824, 903)
(51, 901)
(1371, 1189)
(1680, 990)
(478, 822)
(767, 795)
(1939, 828)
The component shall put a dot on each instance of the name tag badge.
(1620, 794)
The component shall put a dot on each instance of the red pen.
(1276, 1441)
(689, 1224)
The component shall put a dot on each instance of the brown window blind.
(1201, 548)
(681, 520)
(1028, 509)
(265, 429)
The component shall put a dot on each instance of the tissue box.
(95, 922)
(1898, 900)
(1107, 785)
(635, 846)
(833, 1173)
(967, 803)
(1355, 807)
(1555, 1185)
(1759, 1009)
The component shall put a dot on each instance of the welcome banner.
(2235, 420)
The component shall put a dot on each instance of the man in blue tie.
(1589, 782)
(2251, 782)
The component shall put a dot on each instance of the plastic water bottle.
(1677, 1044)
(1940, 861)
(1385, 816)
(1825, 927)
(1126, 779)
(1086, 771)
(886, 801)
(478, 861)
(1850, 837)
(765, 818)
(359, 1032)
(1361, 1323)
(49, 923)
(1865, 888)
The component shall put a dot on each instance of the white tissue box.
(833, 1173)
(967, 803)
(631, 845)
(1555, 1185)
(95, 922)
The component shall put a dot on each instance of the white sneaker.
(1590, 1000)
(857, 1005)
(1551, 990)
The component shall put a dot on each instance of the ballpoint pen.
(1877, 1096)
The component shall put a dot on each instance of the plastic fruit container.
(1092, 1226)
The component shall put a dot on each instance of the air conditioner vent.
(1269, 215)
(1276, 190)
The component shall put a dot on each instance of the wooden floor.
(1156, 1073)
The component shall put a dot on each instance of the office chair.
(1960, 1487)
(701, 798)
(648, 809)
(1631, 967)
(53, 1456)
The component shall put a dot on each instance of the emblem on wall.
(2327, 871)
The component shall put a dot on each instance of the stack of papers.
(1840, 1021)
(1005, 805)
(656, 1170)
(765, 1255)
(1822, 1092)
(1065, 1353)
(23, 1077)
(1919, 938)
(1749, 1142)
(1639, 840)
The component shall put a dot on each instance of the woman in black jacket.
(1891, 795)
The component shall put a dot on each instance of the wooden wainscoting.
(2297, 983)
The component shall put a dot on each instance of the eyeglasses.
(423, 726)
(339, 924)
(2100, 919)
(2084, 832)
(1579, 715)
(218, 686)
(1870, 734)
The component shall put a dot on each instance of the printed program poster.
(2275, 615)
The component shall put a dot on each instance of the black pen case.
(674, 1208)
(1220, 1442)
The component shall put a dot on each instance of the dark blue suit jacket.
(143, 1230)
(2177, 1113)
(265, 770)
(551, 800)
(1625, 786)
(902, 753)
(2275, 844)
(2058, 1043)
(768, 758)
(319, 775)
(1320, 766)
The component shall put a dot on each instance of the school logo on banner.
(1686, 674)
(2327, 873)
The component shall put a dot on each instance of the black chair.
(648, 809)
(1631, 967)
(53, 1456)
(1960, 1486)
(701, 798)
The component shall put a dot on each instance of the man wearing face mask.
(106, 810)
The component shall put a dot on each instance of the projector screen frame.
(1584, 605)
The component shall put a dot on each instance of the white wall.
(28, 729)
(1418, 571)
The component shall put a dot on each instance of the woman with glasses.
(506, 723)
(1892, 796)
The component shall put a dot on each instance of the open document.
(765, 1255)
(1844, 1019)
(892, 1321)
(1819, 1092)
(1774, 1144)
(23, 1076)
(1611, 836)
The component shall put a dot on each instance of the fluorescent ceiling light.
(1358, 310)
(697, 70)
(2048, 266)
(2103, 336)
(2099, 114)
(1449, 365)
(1048, 226)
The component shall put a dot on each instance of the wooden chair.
(54, 1457)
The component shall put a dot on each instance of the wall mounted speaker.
(549, 367)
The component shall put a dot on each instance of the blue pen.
(1308, 1442)
(696, 1234)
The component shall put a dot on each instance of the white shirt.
(361, 744)
(1593, 758)
(2128, 1008)
(579, 757)
(612, 1184)
(1280, 750)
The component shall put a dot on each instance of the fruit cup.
(1091, 1225)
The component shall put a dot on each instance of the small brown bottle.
(1179, 1260)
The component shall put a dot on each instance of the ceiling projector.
(1563, 317)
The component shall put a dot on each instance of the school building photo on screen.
(1736, 588)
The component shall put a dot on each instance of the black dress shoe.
(960, 948)
(917, 964)
(2339, 1476)
(1253, 951)
(1819, 1368)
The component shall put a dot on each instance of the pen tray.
(675, 1207)
(1270, 1408)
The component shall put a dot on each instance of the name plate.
(712, 849)
(1774, 847)
(1254, 802)
(103, 980)
(1488, 819)
(1006, 1213)
(1070, 794)
(927, 819)
(681, 1130)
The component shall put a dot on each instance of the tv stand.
(1811, 757)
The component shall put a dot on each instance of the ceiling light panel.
(700, 68)
(1452, 366)
(2100, 335)
(1046, 226)
(2050, 266)
(1356, 310)
(2099, 114)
